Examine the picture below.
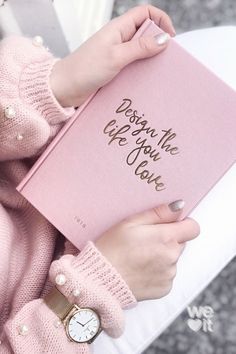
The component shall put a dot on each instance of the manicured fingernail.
(177, 205)
(162, 38)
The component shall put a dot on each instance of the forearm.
(35, 329)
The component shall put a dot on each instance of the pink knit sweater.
(33, 252)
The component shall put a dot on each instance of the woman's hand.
(145, 248)
(102, 56)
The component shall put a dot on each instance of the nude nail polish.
(162, 38)
(177, 205)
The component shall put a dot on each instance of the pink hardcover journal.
(163, 129)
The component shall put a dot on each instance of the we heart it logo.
(195, 325)
(200, 318)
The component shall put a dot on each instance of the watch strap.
(58, 303)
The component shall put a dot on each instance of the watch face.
(83, 325)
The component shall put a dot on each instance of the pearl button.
(38, 41)
(19, 137)
(76, 292)
(57, 323)
(9, 112)
(23, 330)
(60, 279)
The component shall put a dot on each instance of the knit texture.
(33, 252)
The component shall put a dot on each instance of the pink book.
(163, 129)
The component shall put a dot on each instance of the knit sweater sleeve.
(90, 281)
(30, 115)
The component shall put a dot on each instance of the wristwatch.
(82, 325)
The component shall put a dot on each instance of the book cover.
(163, 129)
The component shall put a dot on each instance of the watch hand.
(80, 323)
(88, 322)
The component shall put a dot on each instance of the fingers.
(129, 22)
(182, 231)
(164, 213)
(181, 250)
(143, 47)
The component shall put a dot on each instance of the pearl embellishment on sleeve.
(76, 292)
(38, 41)
(23, 330)
(57, 323)
(19, 137)
(9, 112)
(60, 279)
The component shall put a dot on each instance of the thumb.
(140, 48)
(164, 213)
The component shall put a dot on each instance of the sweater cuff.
(96, 267)
(35, 90)
(89, 280)
(91, 269)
